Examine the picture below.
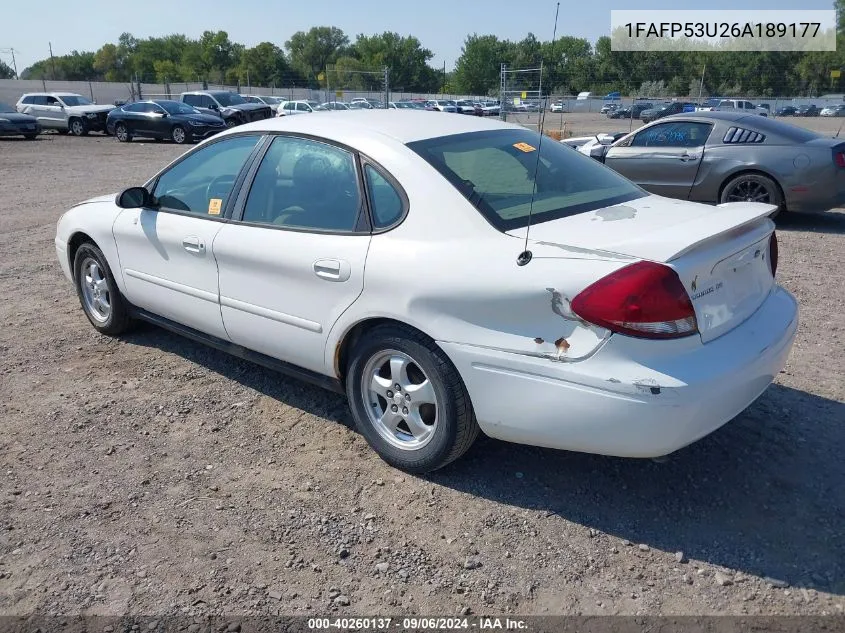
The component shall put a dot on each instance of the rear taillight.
(773, 253)
(645, 299)
(839, 159)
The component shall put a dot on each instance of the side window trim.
(237, 210)
(151, 184)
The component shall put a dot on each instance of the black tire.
(118, 319)
(179, 135)
(30, 137)
(757, 186)
(77, 127)
(231, 122)
(121, 133)
(456, 427)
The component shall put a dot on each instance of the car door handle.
(686, 157)
(193, 245)
(332, 269)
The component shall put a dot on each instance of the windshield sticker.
(214, 206)
(525, 147)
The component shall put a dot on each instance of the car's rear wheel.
(99, 295)
(121, 133)
(77, 127)
(752, 188)
(408, 400)
(178, 135)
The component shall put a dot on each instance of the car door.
(663, 158)
(166, 252)
(130, 116)
(292, 260)
(52, 113)
(155, 120)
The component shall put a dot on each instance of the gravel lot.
(150, 475)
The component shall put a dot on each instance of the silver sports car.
(721, 157)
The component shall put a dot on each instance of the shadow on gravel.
(828, 222)
(764, 495)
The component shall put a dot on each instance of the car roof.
(403, 125)
(713, 116)
(52, 94)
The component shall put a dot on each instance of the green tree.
(311, 51)
(406, 58)
(478, 69)
(5, 71)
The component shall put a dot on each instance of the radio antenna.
(526, 255)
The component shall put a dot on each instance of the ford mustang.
(451, 276)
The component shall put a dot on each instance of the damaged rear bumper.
(634, 397)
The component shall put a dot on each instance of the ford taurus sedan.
(387, 255)
(722, 157)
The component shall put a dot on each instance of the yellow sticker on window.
(524, 147)
(214, 206)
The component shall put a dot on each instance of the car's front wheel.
(178, 135)
(408, 400)
(99, 295)
(77, 127)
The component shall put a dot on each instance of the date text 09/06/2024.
(416, 623)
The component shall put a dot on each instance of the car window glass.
(191, 100)
(385, 201)
(52, 101)
(675, 134)
(134, 107)
(202, 182)
(749, 105)
(305, 184)
(302, 107)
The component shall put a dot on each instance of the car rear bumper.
(611, 404)
(20, 130)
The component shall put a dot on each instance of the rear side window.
(736, 135)
(499, 173)
(30, 100)
(385, 201)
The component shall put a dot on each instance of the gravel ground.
(151, 475)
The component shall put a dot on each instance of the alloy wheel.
(749, 191)
(95, 290)
(400, 400)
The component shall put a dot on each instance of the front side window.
(229, 98)
(498, 172)
(303, 107)
(52, 101)
(674, 134)
(305, 184)
(203, 181)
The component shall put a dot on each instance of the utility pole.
(386, 86)
(444, 77)
(52, 61)
(701, 83)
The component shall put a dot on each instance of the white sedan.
(383, 254)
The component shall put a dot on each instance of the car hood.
(652, 227)
(245, 107)
(15, 117)
(88, 109)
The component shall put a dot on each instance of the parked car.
(766, 107)
(594, 146)
(229, 106)
(288, 108)
(332, 105)
(271, 101)
(465, 106)
(609, 107)
(13, 123)
(407, 105)
(64, 112)
(807, 110)
(632, 313)
(786, 111)
(443, 105)
(162, 119)
(490, 108)
(720, 157)
(836, 110)
(558, 106)
(665, 109)
(367, 103)
(631, 112)
(722, 105)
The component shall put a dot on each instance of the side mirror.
(214, 106)
(134, 198)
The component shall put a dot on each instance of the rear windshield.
(498, 171)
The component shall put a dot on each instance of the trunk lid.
(720, 253)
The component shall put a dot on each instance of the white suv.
(286, 108)
(65, 112)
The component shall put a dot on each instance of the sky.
(441, 25)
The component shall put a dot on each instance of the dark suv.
(230, 106)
